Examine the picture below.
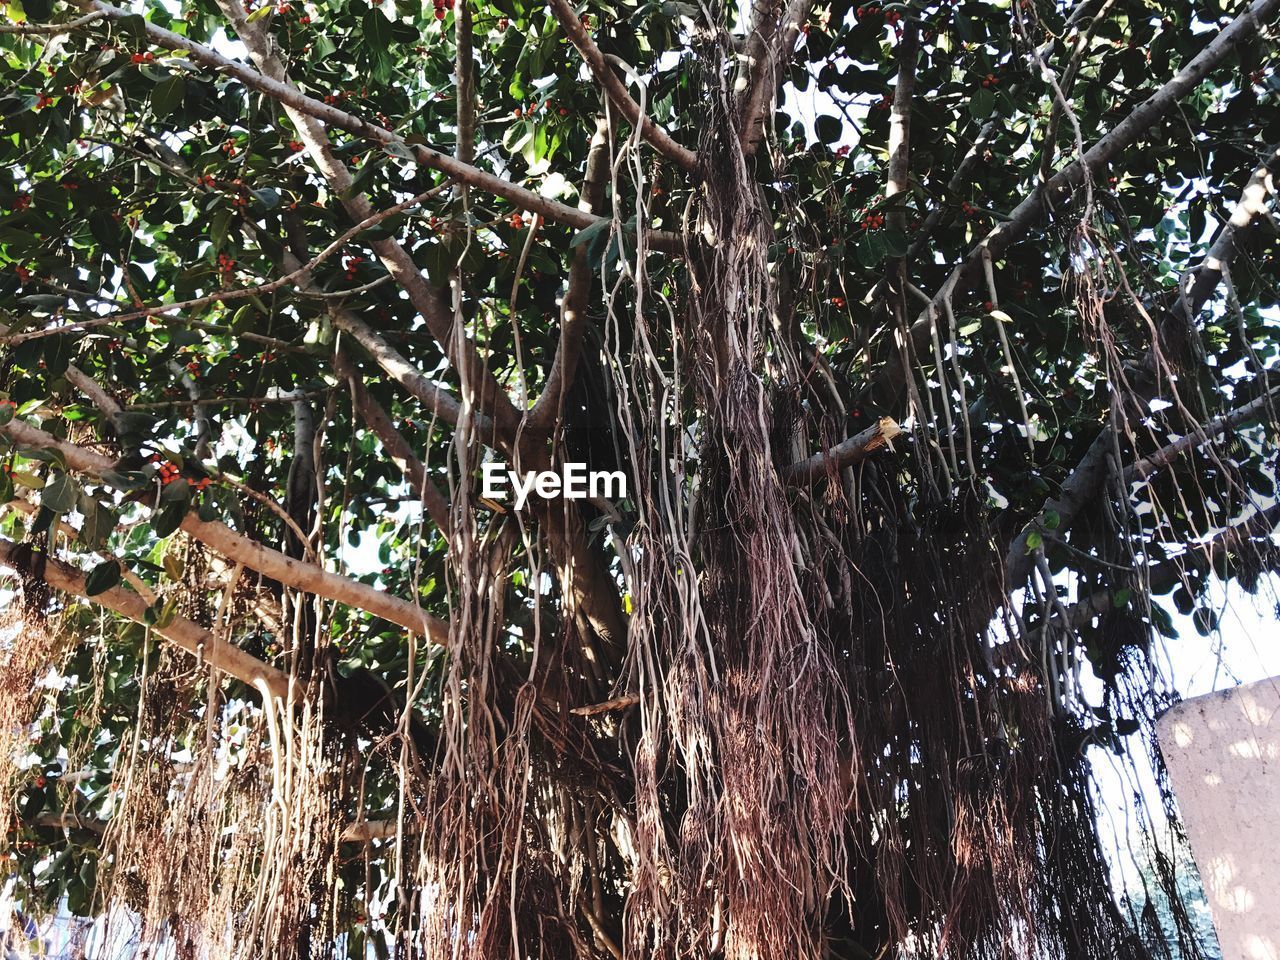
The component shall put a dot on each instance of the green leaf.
(261, 13)
(60, 493)
(105, 230)
(1051, 520)
(179, 491)
(126, 481)
(44, 521)
(168, 613)
(218, 229)
(269, 197)
(1035, 540)
(588, 234)
(828, 128)
(1120, 598)
(895, 242)
(136, 27)
(99, 522)
(168, 518)
(1163, 623)
(982, 103)
(28, 480)
(168, 96)
(398, 149)
(102, 577)
(870, 249)
(173, 565)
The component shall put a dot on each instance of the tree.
(932, 340)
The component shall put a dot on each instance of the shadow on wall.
(1223, 755)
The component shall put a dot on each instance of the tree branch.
(766, 56)
(1079, 489)
(394, 443)
(464, 67)
(1251, 205)
(616, 90)
(889, 381)
(1086, 479)
(295, 100)
(1144, 468)
(305, 577)
(183, 633)
(900, 117)
(573, 310)
(407, 375)
(878, 436)
(50, 29)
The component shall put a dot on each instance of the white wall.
(1223, 755)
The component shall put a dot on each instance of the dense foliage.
(933, 340)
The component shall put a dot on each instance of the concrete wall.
(1223, 754)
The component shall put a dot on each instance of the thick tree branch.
(1248, 209)
(191, 637)
(616, 90)
(1085, 481)
(878, 436)
(465, 70)
(394, 443)
(1144, 468)
(295, 100)
(769, 48)
(1078, 490)
(900, 118)
(573, 310)
(101, 399)
(491, 397)
(140, 586)
(437, 400)
(889, 381)
(239, 548)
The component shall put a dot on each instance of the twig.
(294, 99)
(225, 296)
